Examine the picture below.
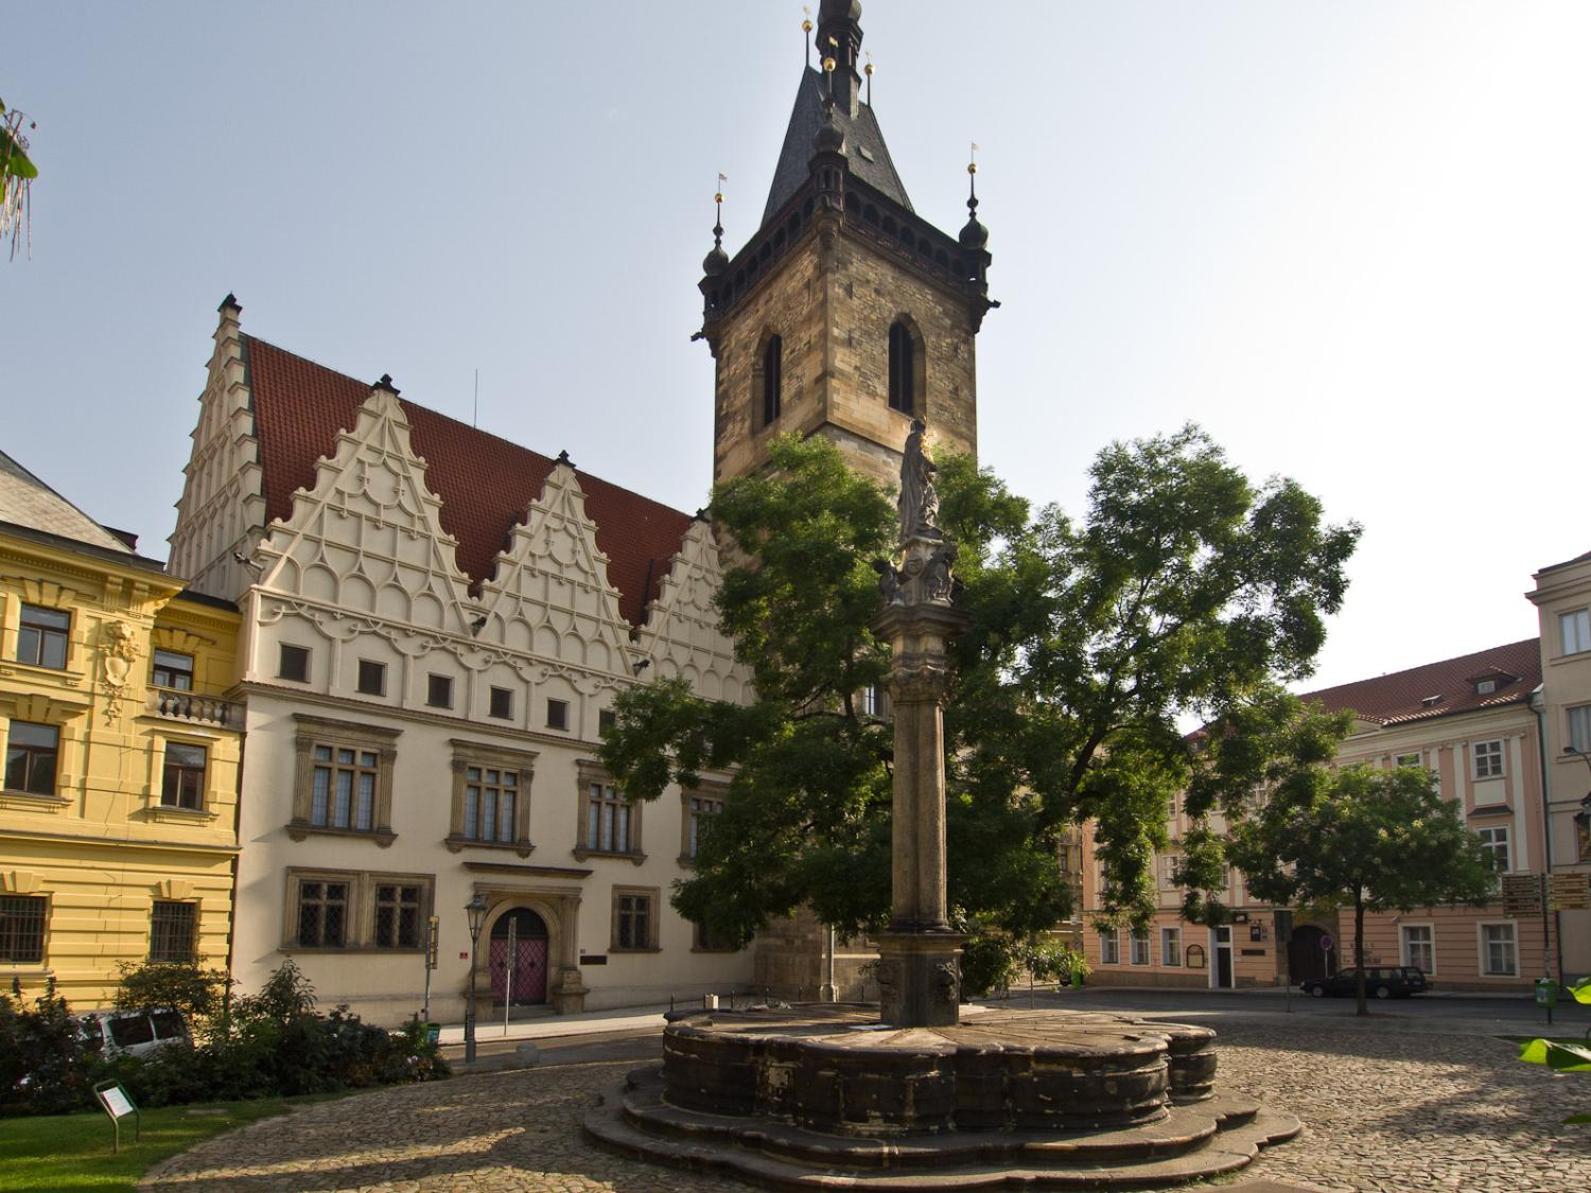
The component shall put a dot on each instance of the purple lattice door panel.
(529, 968)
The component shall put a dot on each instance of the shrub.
(200, 994)
(44, 1068)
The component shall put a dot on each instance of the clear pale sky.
(1352, 240)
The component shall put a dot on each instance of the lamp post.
(475, 909)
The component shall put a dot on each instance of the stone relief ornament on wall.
(117, 651)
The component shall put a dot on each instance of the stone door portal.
(528, 964)
(1305, 958)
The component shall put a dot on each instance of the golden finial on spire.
(972, 159)
(868, 71)
(806, 31)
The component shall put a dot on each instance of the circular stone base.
(828, 1095)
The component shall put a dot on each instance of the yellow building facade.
(119, 805)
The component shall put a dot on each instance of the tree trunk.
(1359, 952)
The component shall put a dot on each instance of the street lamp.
(475, 909)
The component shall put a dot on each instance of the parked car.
(1382, 981)
(133, 1033)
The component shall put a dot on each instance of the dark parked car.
(1382, 981)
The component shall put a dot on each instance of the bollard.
(709, 1002)
(528, 1054)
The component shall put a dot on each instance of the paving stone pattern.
(1383, 1112)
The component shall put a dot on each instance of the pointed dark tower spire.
(840, 38)
(846, 314)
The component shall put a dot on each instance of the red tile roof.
(1403, 695)
(485, 483)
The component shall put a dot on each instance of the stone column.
(567, 991)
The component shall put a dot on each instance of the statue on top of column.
(919, 501)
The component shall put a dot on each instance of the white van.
(133, 1033)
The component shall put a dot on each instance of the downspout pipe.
(1538, 705)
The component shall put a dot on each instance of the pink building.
(1473, 721)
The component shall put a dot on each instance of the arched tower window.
(902, 368)
(772, 379)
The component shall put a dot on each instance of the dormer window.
(1485, 687)
(1431, 701)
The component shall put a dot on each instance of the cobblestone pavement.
(1383, 1111)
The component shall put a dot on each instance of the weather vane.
(806, 31)
(868, 71)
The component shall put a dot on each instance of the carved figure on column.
(919, 500)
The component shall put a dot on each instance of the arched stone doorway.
(519, 965)
(1305, 958)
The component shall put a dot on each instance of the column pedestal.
(919, 978)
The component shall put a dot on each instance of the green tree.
(1367, 838)
(1185, 592)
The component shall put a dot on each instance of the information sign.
(1569, 892)
(1521, 894)
(115, 1101)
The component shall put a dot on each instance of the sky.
(1351, 240)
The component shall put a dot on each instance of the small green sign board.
(115, 1101)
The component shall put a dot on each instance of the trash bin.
(1546, 993)
(433, 1033)
(1077, 979)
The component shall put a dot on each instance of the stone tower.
(846, 314)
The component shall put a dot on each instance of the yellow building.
(119, 807)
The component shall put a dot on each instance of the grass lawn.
(71, 1153)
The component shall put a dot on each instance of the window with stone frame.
(172, 669)
(173, 931)
(356, 910)
(902, 368)
(1580, 729)
(700, 807)
(501, 704)
(634, 920)
(1574, 629)
(399, 915)
(1488, 756)
(610, 825)
(292, 662)
(32, 753)
(372, 678)
(491, 797)
(1110, 948)
(182, 777)
(772, 380)
(44, 636)
(22, 921)
(343, 779)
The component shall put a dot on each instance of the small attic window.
(1431, 701)
(867, 154)
(1485, 687)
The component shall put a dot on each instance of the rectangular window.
(1171, 946)
(398, 915)
(1110, 948)
(607, 720)
(322, 914)
(502, 704)
(1140, 948)
(1499, 954)
(557, 714)
(171, 932)
(491, 803)
(1575, 629)
(632, 921)
(1488, 759)
(439, 691)
(183, 783)
(1419, 946)
(172, 670)
(1495, 842)
(702, 809)
(607, 820)
(42, 638)
(1168, 871)
(343, 791)
(31, 754)
(1409, 759)
(1580, 729)
(372, 678)
(293, 663)
(22, 929)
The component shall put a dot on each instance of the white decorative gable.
(222, 508)
(367, 539)
(681, 634)
(550, 595)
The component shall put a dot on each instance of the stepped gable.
(1406, 695)
(486, 483)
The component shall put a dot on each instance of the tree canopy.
(1368, 838)
(1185, 593)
